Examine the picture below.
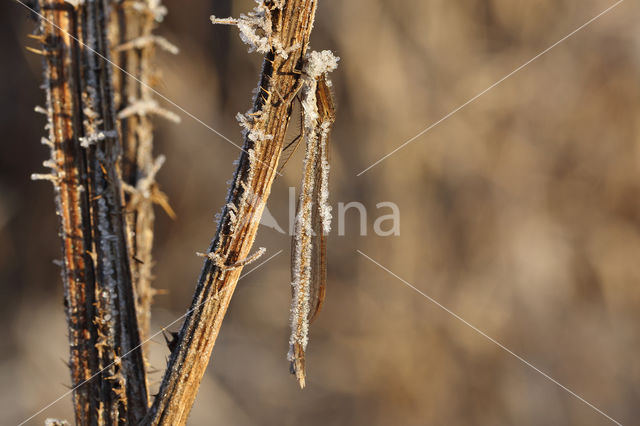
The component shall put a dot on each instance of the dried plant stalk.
(72, 203)
(116, 316)
(133, 51)
(109, 386)
(288, 37)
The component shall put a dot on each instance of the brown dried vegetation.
(103, 172)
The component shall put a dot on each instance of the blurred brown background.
(520, 213)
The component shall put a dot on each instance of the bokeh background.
(520, 213)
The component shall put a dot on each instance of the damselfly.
(313, 218)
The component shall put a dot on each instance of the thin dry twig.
(133, 51)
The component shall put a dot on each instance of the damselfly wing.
(326, 110)
(291, 147)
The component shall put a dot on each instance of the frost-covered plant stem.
(68, 174)
(266, 124)
(133, 50)
(109, 388)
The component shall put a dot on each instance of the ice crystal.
(324, 207)
(147, 107)
(49, 176)
(318, 63)
(247, 122)
(55, 422)
(254, 27)
(92, 138)
(256, 30)
(153, 6)
(145, 40)
(220, 262)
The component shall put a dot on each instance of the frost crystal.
(55, 422)
(254, 27)
(247, 123)
(50, 177)
(157, 10)
(325, 208)
(145, 186)
(318, 63)
(143, 41)
(91, 139)
(146, 107)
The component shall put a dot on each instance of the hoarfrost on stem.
(146, 107)
(92, 138)
(154, 6)
(143, 41)
(246, 121)
(318, 63)
(256, 29)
